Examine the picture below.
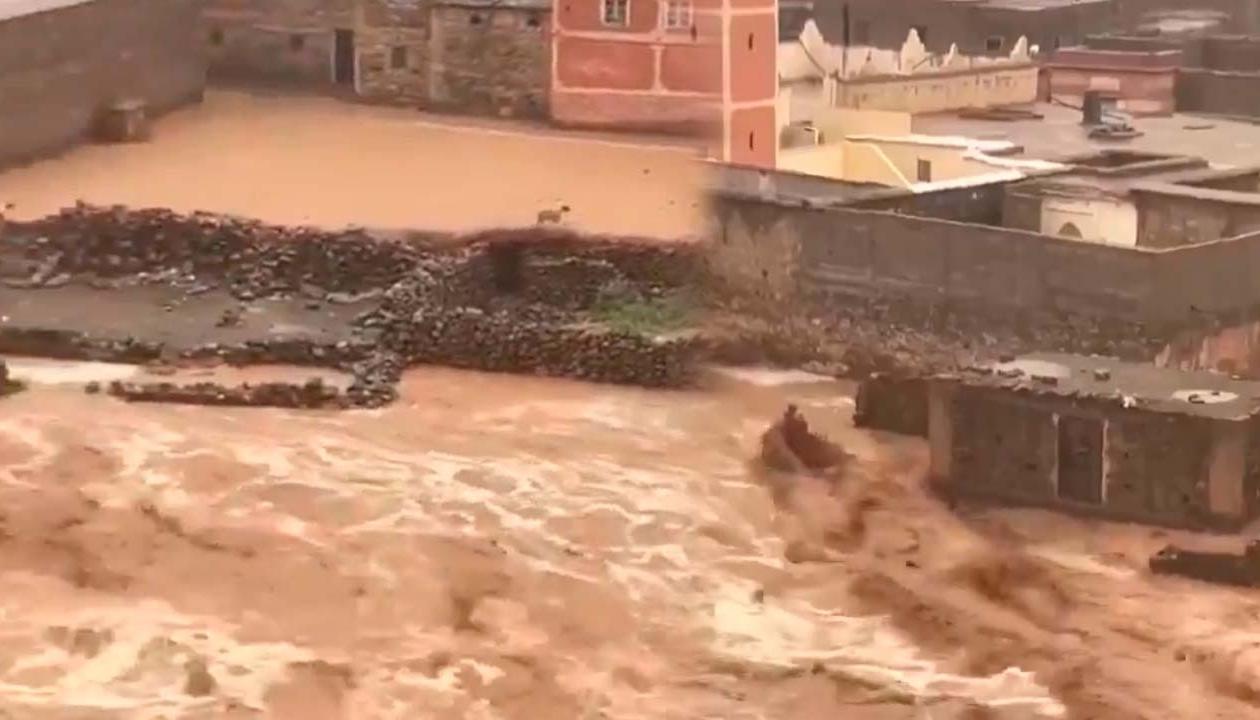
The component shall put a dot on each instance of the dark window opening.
(398, 57)
(924, 170)
(505, 263)
(750, 41)
(751, 145)
(474, 19)
(533, 20)
(1080, 460)
(1070, 230)
(297, 42)
(994, 43)
(216, 36)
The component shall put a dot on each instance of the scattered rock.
(199, 682)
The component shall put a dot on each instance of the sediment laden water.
(502, 547)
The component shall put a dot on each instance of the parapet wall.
(775, 251)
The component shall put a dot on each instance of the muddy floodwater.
(320, 161)
(497, 547)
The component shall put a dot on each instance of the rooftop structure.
(974, 26)
(1099, 436)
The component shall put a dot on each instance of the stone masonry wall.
(472, 56)
(508, 300)
(393, 51)
(491, 60)
(60, 68)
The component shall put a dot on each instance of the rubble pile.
(313, 394)
(249, 257)
(505, 300)
(472, 338)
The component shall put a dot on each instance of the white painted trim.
(603, 14)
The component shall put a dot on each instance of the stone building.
(1097, 436)
(475, 56)
(63, 62)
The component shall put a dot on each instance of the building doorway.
(343, 58)
(1080, 459)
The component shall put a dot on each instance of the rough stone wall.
(60, 68)
(491, 60)
(447, 305)
(393, 51)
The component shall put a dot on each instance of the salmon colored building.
(750, 82)
(696, 66)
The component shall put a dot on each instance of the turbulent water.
(505, 547)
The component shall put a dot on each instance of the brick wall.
(59, 68)
(639, 76)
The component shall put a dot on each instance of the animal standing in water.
(552, 216)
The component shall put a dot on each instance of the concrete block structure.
(1097, 436)
(1141, 82)
(62, 62)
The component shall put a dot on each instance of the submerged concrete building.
(65, 62)
(1098, 436)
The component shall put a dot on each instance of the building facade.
(1095, 436)
(474, 56)
(63, 62)
(640, 64)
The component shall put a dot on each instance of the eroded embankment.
(152, 286)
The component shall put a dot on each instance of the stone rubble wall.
(506, 300)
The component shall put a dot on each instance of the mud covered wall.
(60, 68)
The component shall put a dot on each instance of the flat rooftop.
(17, 8)
(1059, 135)
(300, 160)
(1137, 385)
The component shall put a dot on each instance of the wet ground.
(318, 161)
(506, 547)
(161, 313)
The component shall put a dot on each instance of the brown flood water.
(319, 161)
(512, 548)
